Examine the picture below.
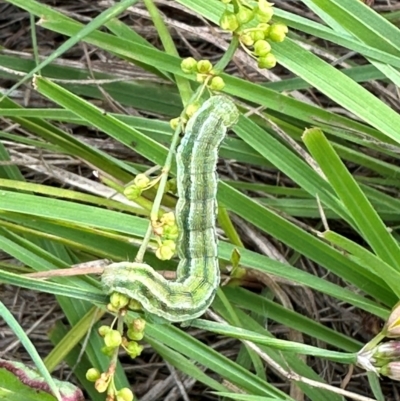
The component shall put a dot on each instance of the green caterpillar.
(197, 276)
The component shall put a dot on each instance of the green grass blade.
(271, 310)
(36, 8)
(283, 345)
(367, 260)
(196, 350)
(366, 218)
(29, 347)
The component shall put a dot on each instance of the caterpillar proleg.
(198, 276)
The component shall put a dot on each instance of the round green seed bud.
(158, 230)
(174, 122)
(204, 66)
(200, 78)
(141, 181)
(277, 32)
(228, 21)
(92, 374)
(192, 108)
(132, 192)
(188, 65)
(257, 35)
(111, 309)
(135, 305)
(264, 28)
(170, 243)
(263, 11)
(168, 219)
(125, 394)
(135, 335)
(268, 61)
(216, 84)
(101, 385)
(263, 18)
(103, 330)
(118, 301)
(108, 351)
(113, 339)
(244, 15)
(139, 324)
(262, 48)
(171, 232)
(134, 349)
(246, 39)
(265, 8)
(166, 251)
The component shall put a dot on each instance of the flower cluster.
(384, 357)
(140, 183)
(205, 73)
(244, 13)
(165, 228)
(167, 232)
(256, 40)
(113, 339)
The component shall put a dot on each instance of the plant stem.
(169, 46)
(229, 229)
(228, 55)
(183, 84)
